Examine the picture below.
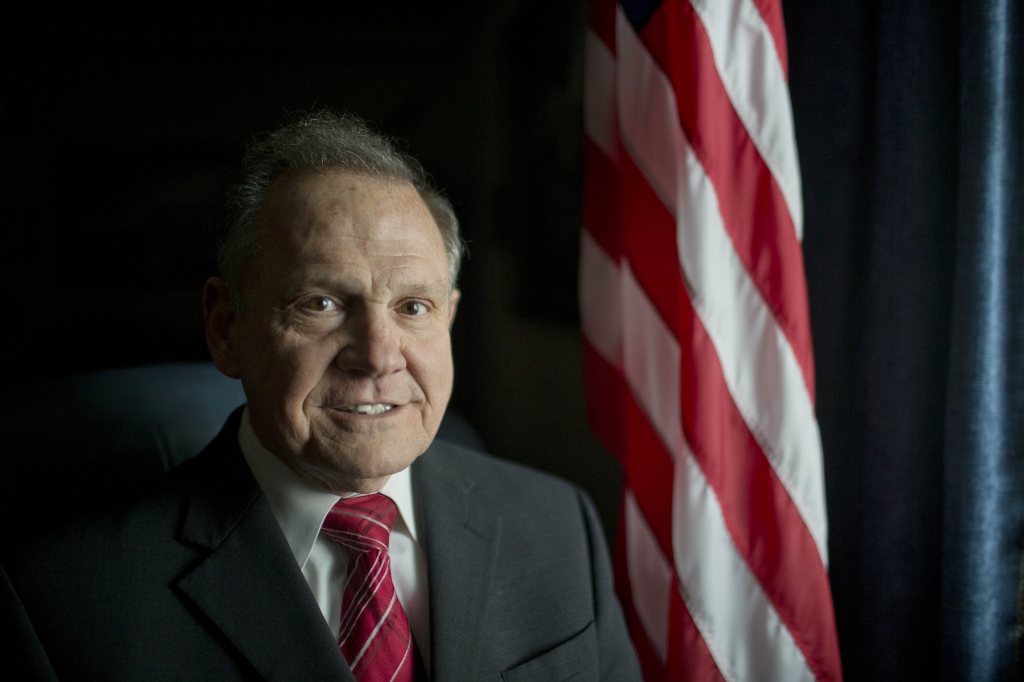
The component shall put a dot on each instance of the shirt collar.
(299, 506)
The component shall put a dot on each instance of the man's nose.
(374, 347)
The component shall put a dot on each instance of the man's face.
(343, 346)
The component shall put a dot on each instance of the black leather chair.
(74, 444)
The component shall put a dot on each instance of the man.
(324, 534)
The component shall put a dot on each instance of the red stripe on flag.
(752, 206)
(602, 21)
(606, 402)
(601, 205)
(650, 664)
(688, 654)
(771, 12)
(648, 466)
(766, 526)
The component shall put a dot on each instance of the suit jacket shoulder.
(520, 580)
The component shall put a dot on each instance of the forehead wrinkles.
(364, 206)
(377, 266)
(361, 229)
(323, 242)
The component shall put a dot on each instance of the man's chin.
(356, 469)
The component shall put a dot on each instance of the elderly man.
(324, 534)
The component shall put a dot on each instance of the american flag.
(697, 342)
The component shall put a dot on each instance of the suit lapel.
(461, 540)
(249, 586)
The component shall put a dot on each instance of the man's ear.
(221, 326)
(453, 303)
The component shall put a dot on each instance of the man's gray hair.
(321, 141)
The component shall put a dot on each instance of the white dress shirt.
(300, 508)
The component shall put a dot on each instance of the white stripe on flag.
(650, 576)
(623, 326)
(741, 628)
(748, 64)
(760, 368)
(733, 614)
(652, 369)
(600, 300)
(599, 96)
(651, 361)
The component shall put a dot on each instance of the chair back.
(73, 444)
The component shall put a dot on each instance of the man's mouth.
(374, 408)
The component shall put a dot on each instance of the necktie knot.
(362, 523)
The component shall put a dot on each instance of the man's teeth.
(377, 408)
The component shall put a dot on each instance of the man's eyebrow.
(324, 281)
(353, 286)
(439, 287)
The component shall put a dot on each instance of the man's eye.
(320, 304)
(413, 308)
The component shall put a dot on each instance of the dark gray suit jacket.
(194, 580)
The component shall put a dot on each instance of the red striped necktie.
(374, 637)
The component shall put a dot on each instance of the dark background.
(116, 146)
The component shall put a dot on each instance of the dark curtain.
(908, 120)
